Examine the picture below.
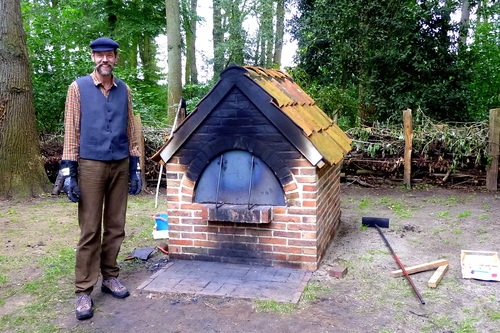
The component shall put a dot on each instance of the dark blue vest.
(103, 126)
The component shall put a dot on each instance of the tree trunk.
(174, 57)
(22, 173)
(147, 52)
(464, 22)
(236, 34)
(218, 38)
(280, 32)
(266, 33)
(191, 69)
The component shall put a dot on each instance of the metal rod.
(250, 186)
(158, 185)
(218, 182)
(400, 265)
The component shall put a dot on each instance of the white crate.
(481, 265)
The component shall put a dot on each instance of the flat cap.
(104, 44)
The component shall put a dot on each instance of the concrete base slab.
(228, 280)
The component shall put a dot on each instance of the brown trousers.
(101, 216)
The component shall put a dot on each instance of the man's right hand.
(69, 170)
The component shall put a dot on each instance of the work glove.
(135, 175)
(69, 170)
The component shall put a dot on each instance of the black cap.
(104, 44)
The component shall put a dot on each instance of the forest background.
(362, 61)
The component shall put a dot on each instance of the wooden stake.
(408, 127)
(420, 268)
(140, 138)
(437, 276)
(494, 142)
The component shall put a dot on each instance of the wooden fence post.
(408, 128)
(140, 138)
(493, 145)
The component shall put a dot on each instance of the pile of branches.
(442, 153)
(445, 154)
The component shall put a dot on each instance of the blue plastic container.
(161, 220)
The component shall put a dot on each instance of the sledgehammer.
(380, 222)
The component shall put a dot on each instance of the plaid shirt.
(71, 149)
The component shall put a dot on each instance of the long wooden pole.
(140, 138)
(408, 128)
(494, 143)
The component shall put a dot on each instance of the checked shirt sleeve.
(71, 147)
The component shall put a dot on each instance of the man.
(100, 156)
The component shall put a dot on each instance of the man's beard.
(98, 67)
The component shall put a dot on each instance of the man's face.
(105, 62)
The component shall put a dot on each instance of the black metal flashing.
(236, 76)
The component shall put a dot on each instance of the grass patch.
(275, 307)
(444, 214)
(481, 231)
(452, 200)
(364, 203)
(53, 284)
(313, 290)
(467, 325)
(494, 315)
(464, 214)
(398, 208)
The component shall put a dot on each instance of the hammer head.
(380, 222)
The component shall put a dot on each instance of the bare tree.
(21, 168)
(174, 57)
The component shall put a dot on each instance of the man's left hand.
(135, 176)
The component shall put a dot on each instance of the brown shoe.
(115, 288)
(83, 308)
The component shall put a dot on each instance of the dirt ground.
(425, 225)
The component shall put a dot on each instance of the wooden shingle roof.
(283, 102)
(326, 136)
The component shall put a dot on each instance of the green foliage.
(58, 37)
(391, 56)
(193, 94)
(338, 103)
(53, 39)
(485, 86)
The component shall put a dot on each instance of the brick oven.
(253, 174)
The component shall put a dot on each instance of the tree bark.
(237, 35)
(464, 21)
(147, 52)
(174, 57)
(191, 70)
(280, 32)
(218, 38)
(22, 173)
(266, 34)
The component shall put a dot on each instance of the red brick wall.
(297, 236)
(328, 207)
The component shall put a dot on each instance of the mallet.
(381, 222)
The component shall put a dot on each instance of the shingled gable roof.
(283, 102)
